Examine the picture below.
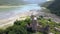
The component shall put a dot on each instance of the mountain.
(46, 4)
(54, 7)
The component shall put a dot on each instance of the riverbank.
(12, 16)
(4, 23)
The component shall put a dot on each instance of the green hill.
(54, 7)
(46, 4)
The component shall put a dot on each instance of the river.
(12, 11)
(8, 14)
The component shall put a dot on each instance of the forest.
(53, 6)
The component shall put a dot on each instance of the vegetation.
(19, 27)
(54, 7)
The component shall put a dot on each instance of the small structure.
(34, 23)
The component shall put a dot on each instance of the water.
(35, 1)
(10, 12)
(18, 2)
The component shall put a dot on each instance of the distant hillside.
(12, 2)
(54, 7)
(46, 4)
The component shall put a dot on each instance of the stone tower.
(34, 23)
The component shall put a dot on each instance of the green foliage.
(54, 7)
(49, 22)
(17, 30)
(17, 22)
(57, 32)
(19, 27)
(46, 4)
